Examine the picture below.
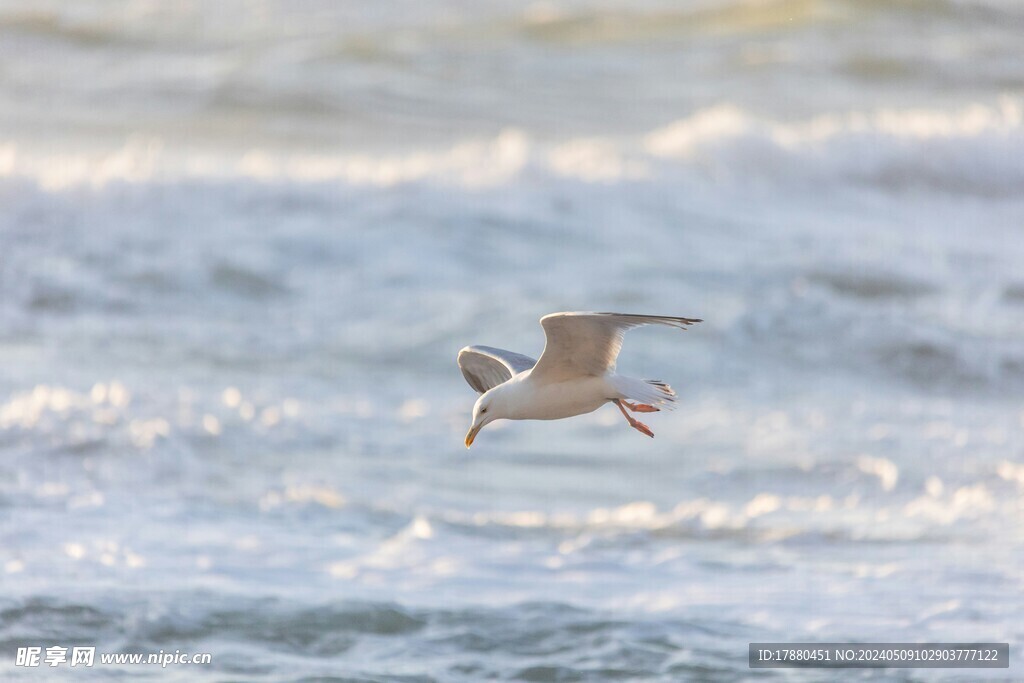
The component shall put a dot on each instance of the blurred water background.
(242, 242)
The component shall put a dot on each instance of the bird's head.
(489, 407)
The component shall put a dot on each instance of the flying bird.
(575, 373)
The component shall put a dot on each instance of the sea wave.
(268, 638)
(977, 149)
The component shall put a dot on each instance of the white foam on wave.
(688, 136)
(977, 148)
(701, 513)
(974, 148)
(769, 515)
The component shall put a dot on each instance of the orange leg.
(640, 407)
(635, 424)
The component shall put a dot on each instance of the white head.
(492, 405)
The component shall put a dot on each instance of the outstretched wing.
(485, 367)
(587, 344)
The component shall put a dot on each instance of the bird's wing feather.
(586, 344)
(485, 367)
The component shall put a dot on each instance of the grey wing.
(485, 367)
(587, 344)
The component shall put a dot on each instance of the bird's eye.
(483, 410)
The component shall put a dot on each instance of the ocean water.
(242, 243)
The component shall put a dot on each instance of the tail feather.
(649, 391)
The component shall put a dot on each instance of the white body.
(526, 399)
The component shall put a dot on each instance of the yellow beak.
(471, 435)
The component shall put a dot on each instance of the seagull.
(575, 374)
